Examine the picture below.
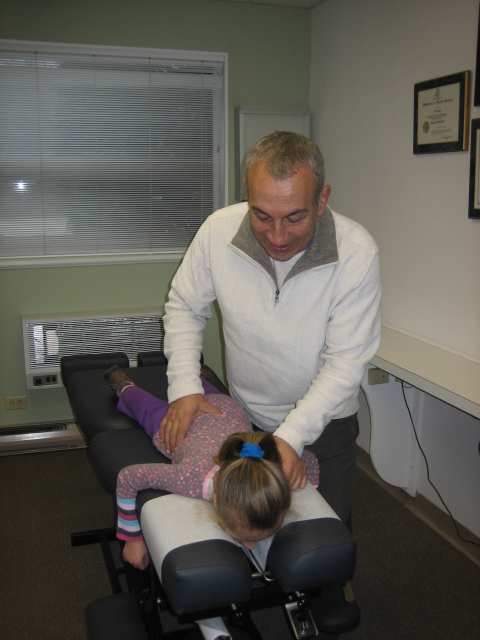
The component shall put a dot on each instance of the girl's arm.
(166, 477)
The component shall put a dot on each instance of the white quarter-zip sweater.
(296, 354)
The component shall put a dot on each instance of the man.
(298, 288)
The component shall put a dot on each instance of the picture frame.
(476, 91)
(441, 114)
(474, 187)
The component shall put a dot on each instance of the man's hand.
(179, 417)
(292, 466)
(136, 553)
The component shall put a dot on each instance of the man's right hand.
(292, 465)
(180, 416)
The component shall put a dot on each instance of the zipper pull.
(277, 296)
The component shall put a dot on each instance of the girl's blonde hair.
(251, 492)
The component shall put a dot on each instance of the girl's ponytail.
(233, 445)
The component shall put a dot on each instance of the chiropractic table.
(197, 572)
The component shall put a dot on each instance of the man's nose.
(277, 234)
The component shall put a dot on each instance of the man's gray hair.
(283, 153)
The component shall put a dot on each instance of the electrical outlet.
(16, 402)
(377, 376)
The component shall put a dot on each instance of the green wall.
(268, 64)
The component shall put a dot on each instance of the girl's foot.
(117, 379)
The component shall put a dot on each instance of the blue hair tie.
(251, 451)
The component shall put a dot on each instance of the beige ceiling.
(299, 4)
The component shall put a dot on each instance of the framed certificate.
(476, 89)
(441, 114)
(474, 191)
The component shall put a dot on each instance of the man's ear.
(322, 202)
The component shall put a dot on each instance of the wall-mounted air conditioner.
(47, 338)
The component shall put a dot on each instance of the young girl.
(221, 460)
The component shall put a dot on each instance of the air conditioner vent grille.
(47, 340)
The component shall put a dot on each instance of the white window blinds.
(107, 155)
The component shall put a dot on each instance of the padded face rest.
(313, 549)
(82, 362)
(199, 565)
(95, 405)
(307, 504)
(312, 553)
(111, 451)
(206, 575)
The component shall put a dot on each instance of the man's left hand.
(292, 466)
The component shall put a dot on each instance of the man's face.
(283, 213)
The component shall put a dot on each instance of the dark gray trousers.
(336, 451)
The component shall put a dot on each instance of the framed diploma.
(476, 90)
(474, 191)
(441, 114)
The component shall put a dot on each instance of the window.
(107, 154)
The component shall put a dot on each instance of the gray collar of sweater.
(321, 251)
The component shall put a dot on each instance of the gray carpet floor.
(410, 583)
